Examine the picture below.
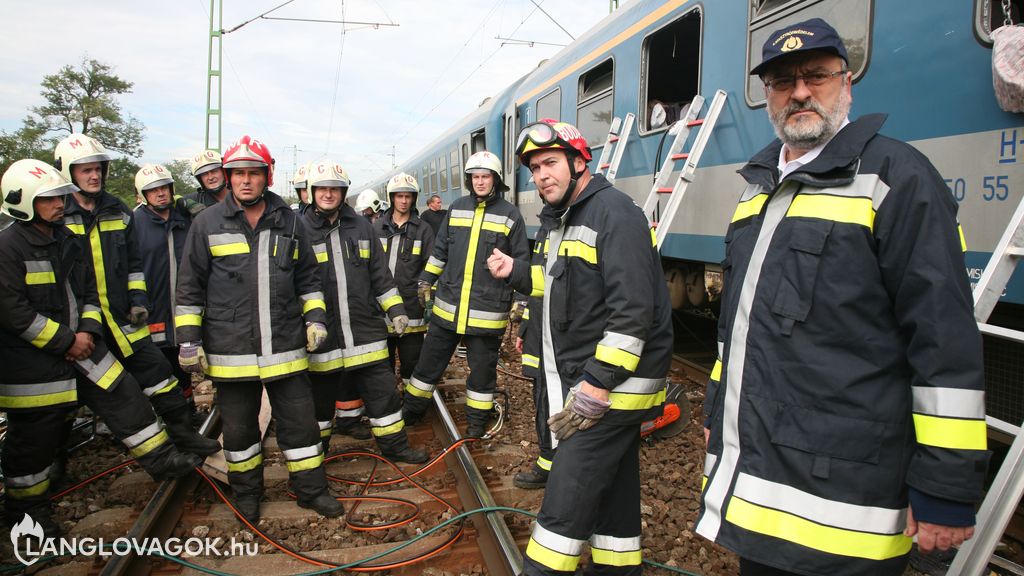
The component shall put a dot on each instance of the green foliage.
(121, 180)
(181, 171)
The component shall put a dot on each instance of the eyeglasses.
(540, 133)
(787, 83)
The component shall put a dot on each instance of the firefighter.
(368, 204)
(299, 184)
(106, 229)
(408, 242)
(846, 413)
(470, 304)
(605, 328)
(528, 344)
(248, 308)
(50, 327)
(207, 171)
(358, 286)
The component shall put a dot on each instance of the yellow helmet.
(26, 180)
(485, 161)
(152, 176)
(205, 161)
(79, 149)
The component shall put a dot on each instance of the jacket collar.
(273, 211)
(33, 236)
(551, 218)
(175, 219)
(104, 202)
(389, 222)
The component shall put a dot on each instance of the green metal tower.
(213, 75)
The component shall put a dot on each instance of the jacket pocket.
(560, 291)
(795, 292)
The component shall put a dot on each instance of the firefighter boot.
(323, 504)
(475, 430)
(352, 427)
(185, 438)
(409, 455)
(532, 479)
(40, 513)
(172, 464)
(248, 505)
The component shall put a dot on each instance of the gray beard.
(808, 134)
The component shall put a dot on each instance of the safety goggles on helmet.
(548, 134)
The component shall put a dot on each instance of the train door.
(509, 146)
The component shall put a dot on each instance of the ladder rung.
(693, 123)
(1001, 332)
(664, 190)
(603, 166)
(1015, 251)
(613, 139)
(682, 156)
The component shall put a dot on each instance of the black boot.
(173, 464)
(323, 504)
(59, 472)
(409, 455)
(354, 428)
(475, 430)
(40, 514)
(186, 439)
(248, 505)
(532, 479)
(412, 418)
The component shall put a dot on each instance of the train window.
(670, 71)
(442, 172)
(425, 182)
(478, 140)
(550, 105)
(594, 106)
(453, 164)
(989, 15)
(433, 177)
(851, 18)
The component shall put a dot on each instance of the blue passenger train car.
(927, 63)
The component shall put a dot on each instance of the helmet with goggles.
(549, 134)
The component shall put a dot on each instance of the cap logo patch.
(792, 43)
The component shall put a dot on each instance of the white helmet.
(79, 149)
(403, 182)
(204, 162)
(299, 180)
(368, 199)
(485, 161)
(26, 180)
(152, 176)
(327, 173)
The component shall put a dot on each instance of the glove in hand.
(316, 335)
(400, 322)
(581, 412)
(192, 358)
(423, 293)
(137, 315)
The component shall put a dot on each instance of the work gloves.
(400, 322)
(316, 334)
(191, 357)
(426, 298)
(138, 315)
(191, 206)
(515, 313)
(581, 411)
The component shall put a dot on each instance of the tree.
(181, 171)
(121, 180)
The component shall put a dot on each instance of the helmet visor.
(541, 134)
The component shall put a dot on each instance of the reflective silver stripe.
(188, 310)
(365, 348)
(158, 386)
(389, 294)
(339, 413)
(718, 486)
(582, 233)
(94, 371)
(243, 455)
(615, 543)
(324, 424)
(417, 383)
(136, 277)
(222, 239)
(949, 402)
(843, 515)
(73, 306)
(90, 308)
(557, 542)
(38, 389)
(364, 245)
(709, 463)
(303, 453)
(263, 292)
(874, 187)
(232, 359)
(626, 343)
(721, 349)
(320, 249)
(416, 322)
(479, 396)
(143, 435)
(128, 329)
(28, 479)
(388, 420)
(303, 298)
(417, 246)
(158, 337)
(325, 357)
(384, 243)
(392, 251)
(35, 266)
(432, 261)
(482, 315)
(641, 385)
(467, 214)
(281, 357)
(552, 380)
(750, 192)
(450, 308)
(172, 276)
(35, 328)
(342, 281)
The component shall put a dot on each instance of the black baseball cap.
(813, 34)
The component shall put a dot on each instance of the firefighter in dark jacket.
(357, 286)
(846, 413)
(52, 350)
(160, 230)
(407, 243)
(206, 169)
(106, 229)
(606, 333)
(248, 308)
(470, 304)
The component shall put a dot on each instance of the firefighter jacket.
(357, 286)
(108, 236)
(469, 300)
(599, 307)
(160, 243)
(850, 362)
(531, 346)
(244, 292)
(406, 249)
(46, 295)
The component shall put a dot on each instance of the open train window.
(453, 164)
(478, 141)
(670, 71)
(989, 15)
(594, 104)
(851, 18)
(442, 172)
(550, 105)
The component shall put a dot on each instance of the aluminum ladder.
(686, 173)
(618, 135)
(1005, 493)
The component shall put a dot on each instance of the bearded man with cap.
(846, 412)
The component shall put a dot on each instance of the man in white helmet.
(206, 169)
(105, 228)
(52, 350)
(358, 286)
(368, 204)
(470, 305)
(407, 242)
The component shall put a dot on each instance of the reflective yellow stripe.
(37, 278)
(654, 237)
(139, 334)
(92, 315)
(467, 272)
(817, 536)
(246, 465)
(313, 304)
(578, 249)
(612, 558)
(417, 250)
(112, 225)
(479, 404)
(616, 357)
(38, 401)
(550, 558)
(963, 241)
(250, 371)
(543, 463)
(952, 433)
(531, 361)
(332, 364)
(480, 323)
(537, 279)
(166, 389)
(306, 463)
(284, 368)
(387, 304)
(368, 357)
(77, 228)
(137, 285)
(461, 222)
(623, 401)
(716, 372)
(101, 290)
(836, 208)
(111, 375)
(23, 493)
(749, 208)
(386, 430)
(436, 271)
(188, 320)
(229, 249)
(441, 313)
(46, 334)
(322, 257)
(364, 253)
(417, 392)
(495, 227)
(149, 445)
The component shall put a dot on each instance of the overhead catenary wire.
(337, 81)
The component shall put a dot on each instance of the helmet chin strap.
(161, 207)
(217, 189)
(563, 202)
(253, 202)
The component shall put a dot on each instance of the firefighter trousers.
(482, 356)
(375, 385)
(408, 348)
(29, 448)
(184, 378)
(291, 399)
(592, 494)
(153, 373)
(542, 412)
(334, 402)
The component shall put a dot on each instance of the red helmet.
(549, 134)
(248, 152)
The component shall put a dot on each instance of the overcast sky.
(282, 82)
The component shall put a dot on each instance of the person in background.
(207, 172)
(434, 214)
